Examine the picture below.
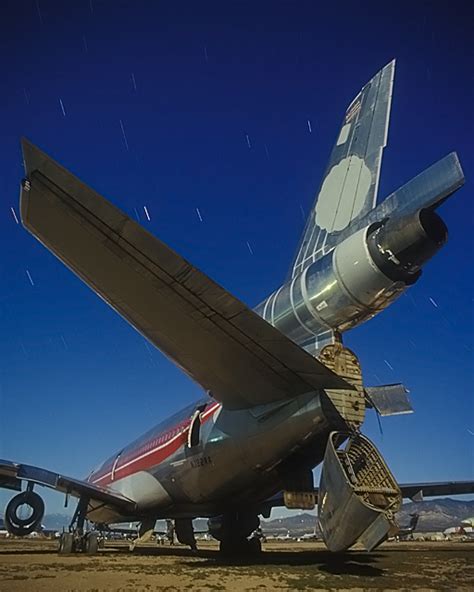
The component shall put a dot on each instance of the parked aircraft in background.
(405, 533)
(282, 393)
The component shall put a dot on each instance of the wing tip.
(31, 155)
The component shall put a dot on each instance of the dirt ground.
(33, 565)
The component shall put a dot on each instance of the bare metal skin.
(283, 393)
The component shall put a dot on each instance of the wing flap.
(223, 345)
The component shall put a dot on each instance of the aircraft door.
(114, 466)
(194, 434)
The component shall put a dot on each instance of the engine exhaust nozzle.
(401, 246)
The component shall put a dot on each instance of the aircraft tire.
(66, 543)
(24, 526)
(91, 546)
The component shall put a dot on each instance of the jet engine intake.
(358, 496)
(19, 525)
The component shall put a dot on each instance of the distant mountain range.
(434, 516)
(437, 514)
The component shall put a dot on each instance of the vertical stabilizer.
(349, 187)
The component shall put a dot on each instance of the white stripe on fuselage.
(160, 447)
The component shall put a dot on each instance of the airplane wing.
(12, 474)
(413, 491)
(416, 491)
(216, 339)
(349, 187)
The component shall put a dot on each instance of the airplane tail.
(349, 187)
(389, 242)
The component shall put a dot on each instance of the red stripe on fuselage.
(141, 460)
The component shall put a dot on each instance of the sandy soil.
(33, 565)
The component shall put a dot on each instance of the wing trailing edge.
(217, 340)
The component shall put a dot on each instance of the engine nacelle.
(356, 280)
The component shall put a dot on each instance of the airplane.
(405, 533)
(282, 394)
(408, 530)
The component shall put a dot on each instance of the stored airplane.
(406, 533)
(281, 392)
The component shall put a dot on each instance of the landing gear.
(78, 540)
(185, 532)
(145, 533)
(91, 544)
(233, 530)
(66, 543)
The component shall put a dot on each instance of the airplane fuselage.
(168, 475)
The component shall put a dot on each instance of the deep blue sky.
(189, 81)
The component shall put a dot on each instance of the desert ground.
(34, 565)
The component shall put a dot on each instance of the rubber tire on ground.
(91, 546)
(66, 543)
(19, 526)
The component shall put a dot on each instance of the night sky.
(219, 120)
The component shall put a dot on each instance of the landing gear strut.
(79, 540)
(233, 530)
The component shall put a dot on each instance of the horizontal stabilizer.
(217, 340)
(389, 399)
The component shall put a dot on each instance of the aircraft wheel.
(66, 543)
(23, 526)
(91, 546)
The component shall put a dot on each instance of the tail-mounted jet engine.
(24, 513)
(360, 277)
(358, 496)
(400, 246)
